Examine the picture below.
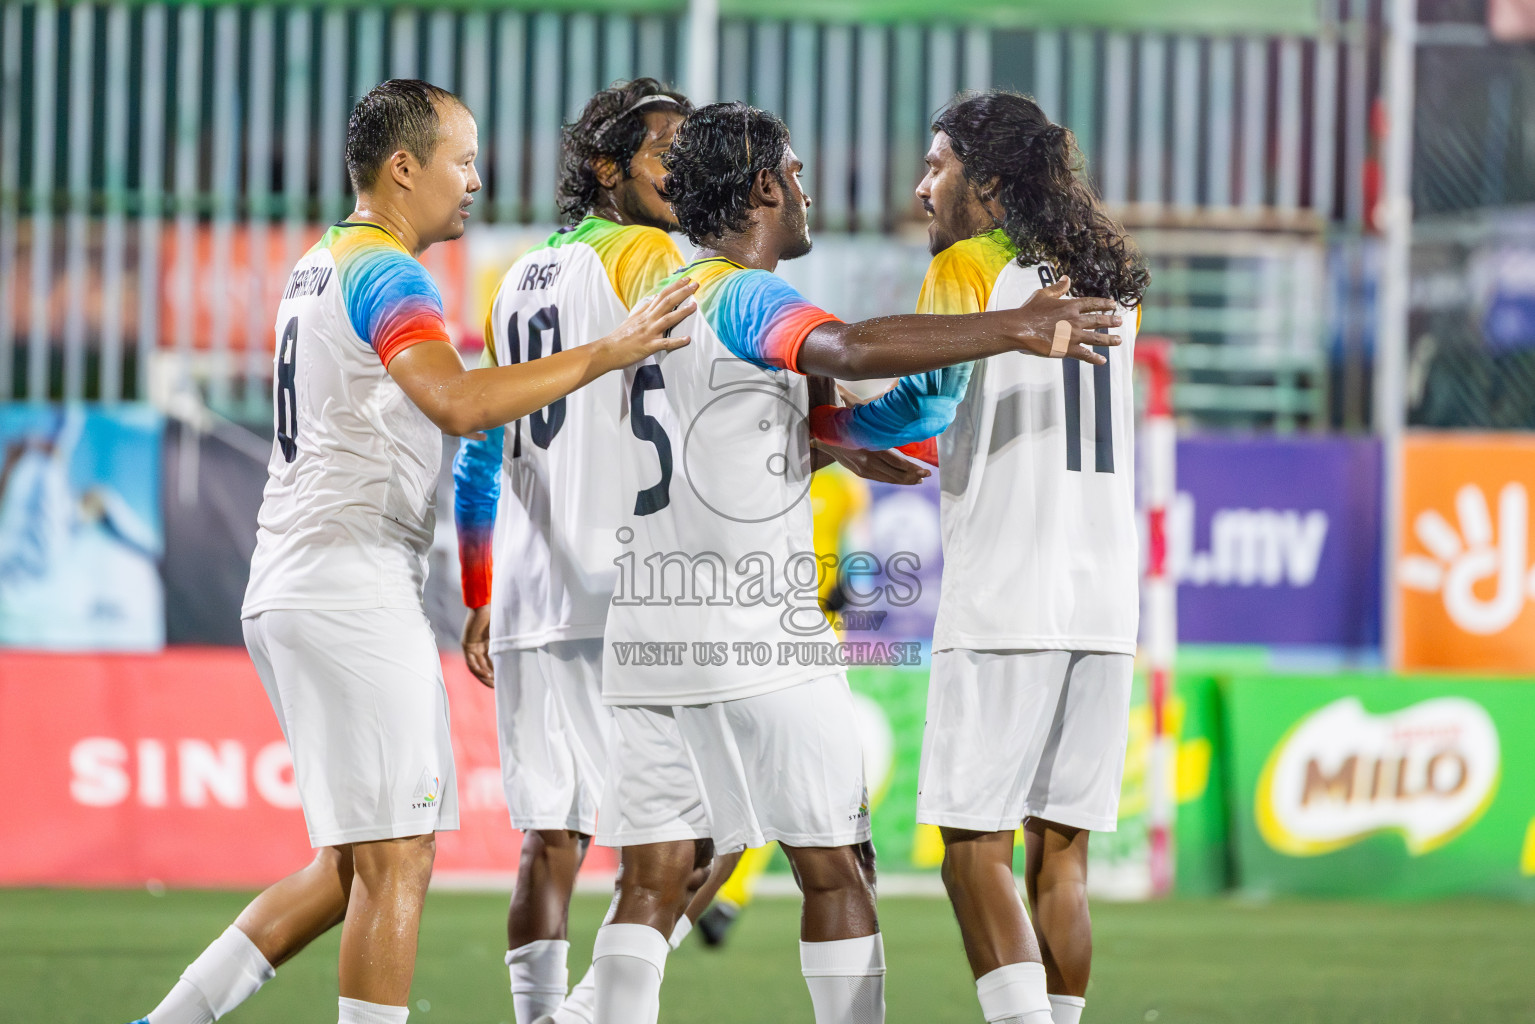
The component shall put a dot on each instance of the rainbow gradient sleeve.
(476, 489)
(756, 315)
(391, 300)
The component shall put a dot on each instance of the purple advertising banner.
(903, 535)
(1277, 541)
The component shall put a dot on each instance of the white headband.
(637, 104)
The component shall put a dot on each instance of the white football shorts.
(553, 730)
(785, 766)
(1024, 734)
(360, 698)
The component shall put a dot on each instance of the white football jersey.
(560, 506)
(1040, 549)
(348, 513)
(716, 596)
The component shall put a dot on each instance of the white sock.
(1014, 994)
(538, 977)
(846, 979)
(679, 933)
(581, 1005)
(355, 1011)
(629, 961)
(226, 974)
(1066, 1009)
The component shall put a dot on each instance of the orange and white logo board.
(1465, 580)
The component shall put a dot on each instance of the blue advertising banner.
(1277, 541)
(80, 528)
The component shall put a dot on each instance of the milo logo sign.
(1428, 771)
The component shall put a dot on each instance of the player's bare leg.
(383, 919)
(538, 920)
(719, 873)
(842, 955)
(270, 931)
(978, 874)
(1055, 875)
(291, 914)
(733, 894)
(999, 941)
(629, 957)
(546, 878)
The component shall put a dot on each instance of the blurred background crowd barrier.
(1337, 199)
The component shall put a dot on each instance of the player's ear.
(605, 169)
(402, 167)
(767, 189)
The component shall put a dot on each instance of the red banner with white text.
(126, 769)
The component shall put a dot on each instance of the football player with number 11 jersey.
(1035, 637)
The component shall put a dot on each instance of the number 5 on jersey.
(647, 428)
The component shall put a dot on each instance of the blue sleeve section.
(918, 407)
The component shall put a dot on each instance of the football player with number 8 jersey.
(715, 634)
(1035, 638)
(366, 383)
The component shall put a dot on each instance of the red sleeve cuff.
(393, 345)
(816, 319)
(925, 450)
(476, 586)
(823, 420)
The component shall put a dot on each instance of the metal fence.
(160, 163)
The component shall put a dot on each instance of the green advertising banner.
(1384, 786)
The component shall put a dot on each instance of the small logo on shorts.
(426, 792)
(863, 807)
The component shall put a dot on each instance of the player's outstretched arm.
(898, 346)
(461, 401)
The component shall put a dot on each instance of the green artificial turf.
(106, 957)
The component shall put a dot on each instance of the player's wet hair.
(401, 113)
(612, 125)
(1049, 210)
(712, 163)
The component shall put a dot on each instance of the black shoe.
(714, 923)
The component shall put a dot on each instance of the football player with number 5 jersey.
(1035, 637)
(537, 506)
(715, 635)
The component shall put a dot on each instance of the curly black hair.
(712, 163)
(612, 124)
(1050, 212)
